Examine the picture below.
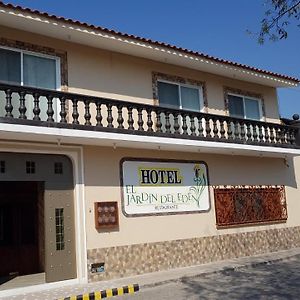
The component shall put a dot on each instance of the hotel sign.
(163, 187)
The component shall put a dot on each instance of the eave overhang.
(81, 33)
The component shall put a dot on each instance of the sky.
(216, 28)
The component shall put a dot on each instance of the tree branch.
(275, 20)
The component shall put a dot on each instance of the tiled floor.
(23, 281)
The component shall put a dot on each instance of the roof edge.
(149, 41)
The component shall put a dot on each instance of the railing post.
(222, 129)
(75, 114)
(120, 118)
(8, 105)
(50, 111)
(63, 112)
(215, 128)
(109, 118)
(297, 135)
(36, 108)
(184, 124)
(293, 134)
(158, 121)
(200, 128)
(22, 107)
(146, 118)
(99, 115)
(296, 123)
(87, 115)
(140, 119)
(149, 120)
(130, 120)
(176, 124)
(193, 127)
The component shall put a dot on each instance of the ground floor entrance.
(37, 233)
(21, 230)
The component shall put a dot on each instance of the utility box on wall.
(106, 215)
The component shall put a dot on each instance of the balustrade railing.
(33, 106)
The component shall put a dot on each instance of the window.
(30, 167)
(59, 228)
(175, 95)
(26, 68)
(244, 107)
(58, 168)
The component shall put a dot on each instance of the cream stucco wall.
(109, 74)
(102, 183)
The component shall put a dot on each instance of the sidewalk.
(159, 278)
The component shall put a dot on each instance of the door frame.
(75, 153)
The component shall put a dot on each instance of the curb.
(108, 293)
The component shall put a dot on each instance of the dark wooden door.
(19, 253)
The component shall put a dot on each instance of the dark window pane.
(30, 167)
(59, 228)
(236, 107)
(252, 109)
(190, 98)
(168, 94)
(39, 71)
(58, 168)
(10, 70)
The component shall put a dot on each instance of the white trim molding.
(64, 136)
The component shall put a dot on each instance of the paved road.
(275, 281)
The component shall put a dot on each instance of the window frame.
(55, 58)
(259, 100)
(178, 84)
(38, 54)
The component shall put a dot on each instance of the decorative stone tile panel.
(137, 259)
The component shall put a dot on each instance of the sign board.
(154, 187)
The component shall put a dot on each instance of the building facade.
(121, 156)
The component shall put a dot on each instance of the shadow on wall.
(127, 77)
(55, 170)
(102, 167)
(109, 73)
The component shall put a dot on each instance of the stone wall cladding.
(123, 261)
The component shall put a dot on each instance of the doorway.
(21, 229)
(37, 231)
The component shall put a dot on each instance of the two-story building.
(121, 155)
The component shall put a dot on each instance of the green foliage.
(278, 16)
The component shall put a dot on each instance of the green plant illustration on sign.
(201, 183)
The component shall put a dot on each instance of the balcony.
(54, 109)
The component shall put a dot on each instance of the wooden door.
(19, 253)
